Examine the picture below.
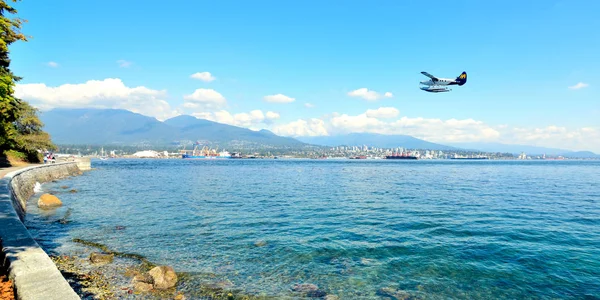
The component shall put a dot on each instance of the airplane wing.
(430, 76)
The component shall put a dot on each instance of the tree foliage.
(20, 127)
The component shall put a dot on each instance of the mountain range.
(122, 127)
(511, 148)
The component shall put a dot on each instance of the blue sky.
(521, 58)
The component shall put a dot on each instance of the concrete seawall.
(34, 274)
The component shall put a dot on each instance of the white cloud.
(52, 64)
(249, 119)
(310, 127)
(444, 131)
(124, 64)
(309, 105)
(585, 138)
(107, 93)
(579, 85)
(272, 115)
(279, 98)
(204, 99)
(430, 129)
(204, 76)
(368, 94)
(383, 112)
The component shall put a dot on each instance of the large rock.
(49, 201)
(142, 282)
(164, 277)
(101, 258)
(142, 287)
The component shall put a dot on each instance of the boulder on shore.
(142, 282)
(101, 258)
(49, 201)
(164, 277)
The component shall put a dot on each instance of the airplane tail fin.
(462, 79)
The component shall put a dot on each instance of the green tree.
(20, 127)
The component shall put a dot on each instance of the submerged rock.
(393, 293)
(332, 297)
(72, 191)
(316, 294)
(49, 201)
(101, 258)
(179, 297)
(220, 285)
(164, 277)
(304, 287)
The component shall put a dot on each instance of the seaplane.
(439, 85)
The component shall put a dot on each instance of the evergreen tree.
(20, 127)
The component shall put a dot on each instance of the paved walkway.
(34, 274)
(6, 170)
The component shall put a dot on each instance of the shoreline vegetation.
(21, 136)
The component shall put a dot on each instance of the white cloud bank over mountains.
(210, 104)
(107, 93)
(444, 131)
(204, 99)
(250, 119)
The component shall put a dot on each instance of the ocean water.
(359, 229)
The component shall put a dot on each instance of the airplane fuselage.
(439, 85)
(440, 81)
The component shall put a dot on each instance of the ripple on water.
(358, 229)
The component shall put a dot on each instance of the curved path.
(34, 274)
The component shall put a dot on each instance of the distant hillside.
(123, 127)
(375, 140)
(508, 148)
(192, 128)
(581, 154)
(529, 150)
(104, 126)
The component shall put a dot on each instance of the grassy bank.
(12, 158)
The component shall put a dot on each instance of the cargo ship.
(400, 156)
(204, 153)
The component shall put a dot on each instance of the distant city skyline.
(313, 68)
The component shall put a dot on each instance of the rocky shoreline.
(112, 275)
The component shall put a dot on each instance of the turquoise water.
(355, 228)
